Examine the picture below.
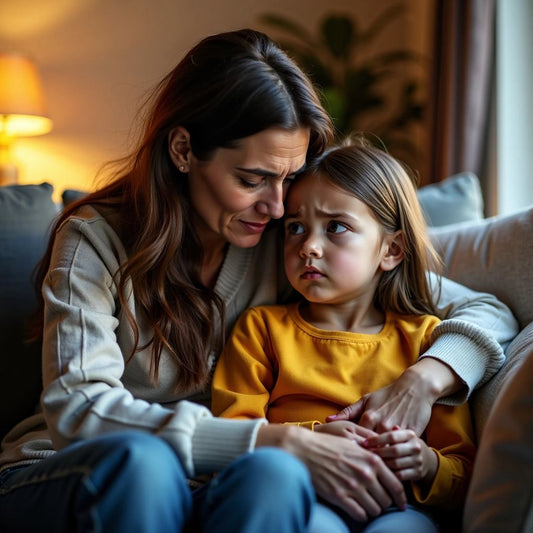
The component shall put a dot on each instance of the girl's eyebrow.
(268, 173)
(325, 214)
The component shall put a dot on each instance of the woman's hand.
(406, 402)
(346, 429)
(343, 473)
(406, 454)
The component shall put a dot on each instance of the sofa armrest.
(500, 497)
(26, 214)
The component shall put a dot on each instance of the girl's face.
(238, 191)
(335, 248)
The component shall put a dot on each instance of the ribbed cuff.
(218, 441)
(472, 353)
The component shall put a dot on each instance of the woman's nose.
(272, 202)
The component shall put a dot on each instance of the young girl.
(356, 249)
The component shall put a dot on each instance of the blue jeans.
(132, 481)
(392, 520)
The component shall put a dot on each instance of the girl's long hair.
(387, 187)
(228, 87)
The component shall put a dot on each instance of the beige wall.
(99, 57)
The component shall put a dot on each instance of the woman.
(140, 284)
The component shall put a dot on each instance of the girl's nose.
(311, 248)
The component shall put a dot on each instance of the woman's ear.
(179, 147)
(394, 247)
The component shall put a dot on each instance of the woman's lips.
(254, 227)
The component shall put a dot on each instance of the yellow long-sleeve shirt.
(280, 367)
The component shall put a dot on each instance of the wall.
(98, 59)
(514, 105)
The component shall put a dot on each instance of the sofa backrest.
(26, 213)
(494, 255)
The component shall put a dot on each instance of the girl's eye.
(295, 228)
(336, 227)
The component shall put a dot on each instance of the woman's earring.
(182, 168)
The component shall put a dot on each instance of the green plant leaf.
(361, 91)
(350, 88)
(392, 58)
(338, 34)
(333, 101)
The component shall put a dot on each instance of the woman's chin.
(245, 241)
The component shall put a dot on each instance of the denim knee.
(146, 462)
(266, 490)
(393, 520)
(120, 482)
(272, 468)
(140, 474)
(147, 457)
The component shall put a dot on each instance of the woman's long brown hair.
(229, 86)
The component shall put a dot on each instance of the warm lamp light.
(22, 109)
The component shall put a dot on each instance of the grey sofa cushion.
(455, 199)
(26, 212)
(493, 255)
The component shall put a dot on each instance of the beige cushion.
(484, 398)
(494, 255)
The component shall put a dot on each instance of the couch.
(493, 255)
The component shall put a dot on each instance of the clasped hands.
(387, 451)
(405, 454)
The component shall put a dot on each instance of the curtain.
(461, 86)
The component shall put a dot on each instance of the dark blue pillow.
(72, 195)
(26, 215)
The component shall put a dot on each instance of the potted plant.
(352, 79)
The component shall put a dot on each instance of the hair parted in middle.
(388, 188)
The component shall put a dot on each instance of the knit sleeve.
(471, 339)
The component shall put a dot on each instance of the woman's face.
(238, 191)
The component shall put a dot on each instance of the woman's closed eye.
(250, 183)
(253, 183)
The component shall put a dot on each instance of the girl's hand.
(346, 429)
(406, 402)
(343, 473)
(406, 454)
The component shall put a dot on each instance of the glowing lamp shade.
(22, 108)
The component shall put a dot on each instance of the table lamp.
(22, 109)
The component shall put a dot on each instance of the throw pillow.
(455, 199)
(72, 195)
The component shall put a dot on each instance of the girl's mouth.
(311, 273)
